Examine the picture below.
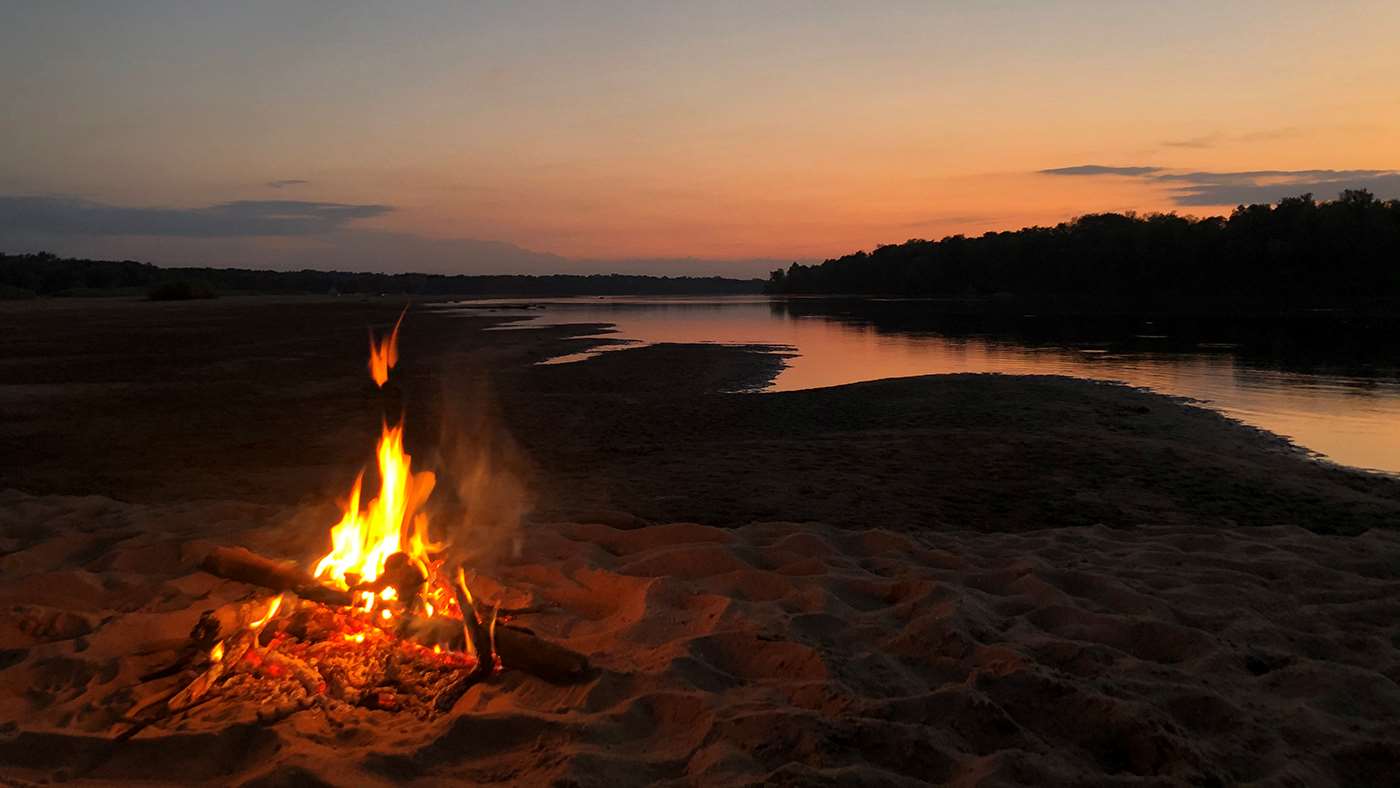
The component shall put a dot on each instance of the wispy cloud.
(72, 216)
(1216, 139)
(1234, 188)
(290, 234)
(1206, 141)
(932, 221)
(1242, 177)
(282, 184)
(1286, 132)
(1248, 186)
(1099, 169)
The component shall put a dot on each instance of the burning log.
(245, 566)
(399, 574)
(517, 648)
(224, 621)
(220, 660)
(225, 654)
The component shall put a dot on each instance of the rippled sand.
(774, 652)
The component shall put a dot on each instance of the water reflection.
(1332, 387)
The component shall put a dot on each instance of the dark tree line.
(46, 274)
(1299, 253)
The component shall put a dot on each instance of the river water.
(1336, 397)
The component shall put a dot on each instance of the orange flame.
(385, 354)
(272, 607)
(365, 538)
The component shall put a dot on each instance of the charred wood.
(518, 649)
(245, 566)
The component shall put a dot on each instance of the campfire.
(381, 621)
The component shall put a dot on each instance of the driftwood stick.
(479, 638)
(224, 621)
(539, 657)
(180, 663)
(152, 708)
(517, 648)
(145, 715)
(245, 566)
(232, 652)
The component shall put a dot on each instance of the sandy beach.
(975, 580)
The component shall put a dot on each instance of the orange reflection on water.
(1354, 421)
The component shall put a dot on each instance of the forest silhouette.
(45, 274)
(1299, 253)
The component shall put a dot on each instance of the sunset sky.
(663, 137)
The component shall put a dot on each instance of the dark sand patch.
(267, 401)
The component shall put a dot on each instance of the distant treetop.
(1298, 253)
(46, 274)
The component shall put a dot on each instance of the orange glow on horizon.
(451, 141)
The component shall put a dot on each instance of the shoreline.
(1340, 412)
(272, 406)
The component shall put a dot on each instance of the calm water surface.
(1350, 417)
